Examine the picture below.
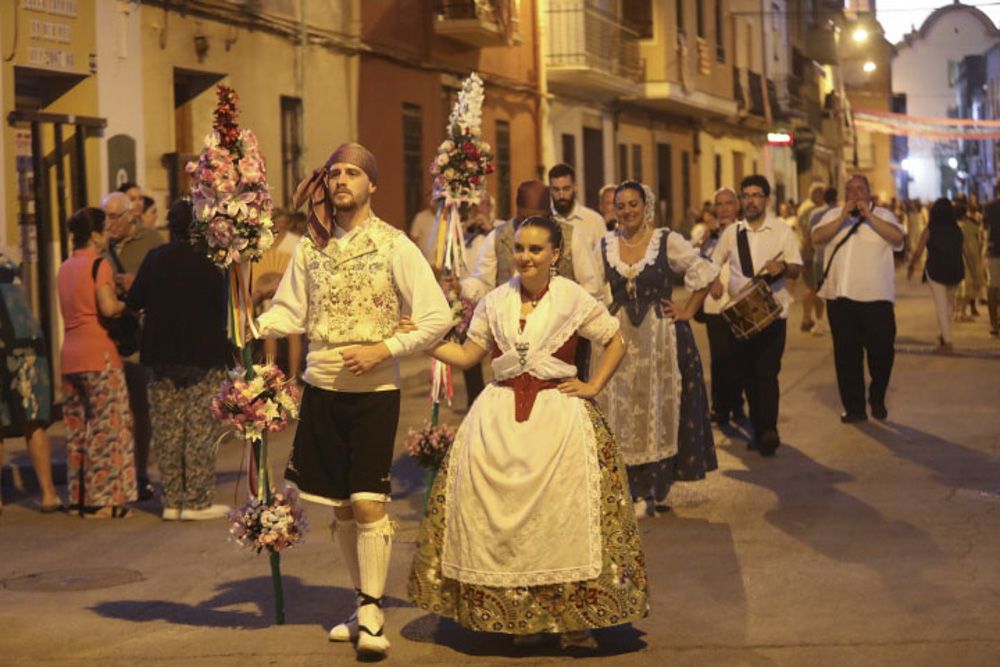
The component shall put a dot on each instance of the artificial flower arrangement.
(430, 444)
(462, 310)
(232, 228)
(464, 159)
(274, 526)
(232, 205)
(266, 403)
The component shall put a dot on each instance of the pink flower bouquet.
(232, 205)
(265, 404)
(273, 526)
(430, 444)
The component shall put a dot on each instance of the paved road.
(856, 545)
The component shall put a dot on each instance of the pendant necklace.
(523, 346)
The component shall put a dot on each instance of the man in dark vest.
(495, 263)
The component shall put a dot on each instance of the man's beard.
(755, 218)
(563, 206)
(344, 205)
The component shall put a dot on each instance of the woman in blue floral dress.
(656, 404)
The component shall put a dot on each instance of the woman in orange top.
(100, 462)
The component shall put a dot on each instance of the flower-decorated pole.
(459, 171)
(232, 228)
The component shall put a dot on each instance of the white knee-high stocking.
(374, 550)
(345, 533)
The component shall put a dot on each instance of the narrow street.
(873, 544)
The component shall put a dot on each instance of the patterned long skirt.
(100, 456)
(695, 455)
(184, 433)
(618, 595)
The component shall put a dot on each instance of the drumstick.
(773, 259)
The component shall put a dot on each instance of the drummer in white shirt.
(768, 247)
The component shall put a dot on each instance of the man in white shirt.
(766, 245)
(349, 282)
(565, 208)
(727, 377)
(608, 211)
(421, 227)
(860, 292)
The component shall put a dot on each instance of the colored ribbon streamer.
(442, 386)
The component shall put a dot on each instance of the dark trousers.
(474, 383)
(760, 359)
(862, 328)
(727, 377)
(137, 379)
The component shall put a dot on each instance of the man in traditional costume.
(351, 279)
(494, 265)
(527, 530)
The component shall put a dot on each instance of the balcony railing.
(479, 23)
(738, 93)
(756, 90)
(584, 39)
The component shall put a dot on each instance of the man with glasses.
(129, 242)
(761, 244)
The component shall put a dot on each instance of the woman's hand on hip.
(575, 387)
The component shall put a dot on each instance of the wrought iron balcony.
(478, 23)
(590, 49)
(756, 89)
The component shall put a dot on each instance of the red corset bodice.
(526, 386)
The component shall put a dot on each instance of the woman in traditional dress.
(656, 404)
(528, 530)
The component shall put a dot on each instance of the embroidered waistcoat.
(504, 241)
(639, 287)
(352, 294)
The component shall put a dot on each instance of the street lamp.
(953, 163)
(860, 35)
(868, 67)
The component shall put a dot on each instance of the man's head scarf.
(351, 153)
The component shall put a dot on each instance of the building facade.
(925, 70)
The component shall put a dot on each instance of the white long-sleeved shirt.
(482, 276)
(587, 221)
(772, 237)
(864, 268)
(421, 297)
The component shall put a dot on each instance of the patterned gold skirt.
(618, 595)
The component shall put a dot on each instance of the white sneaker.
(206, 514)
(819, 329)
(171, 513)
(346, 631)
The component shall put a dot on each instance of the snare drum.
(752, 310)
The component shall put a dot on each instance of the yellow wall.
(261, 67)
(80, 100)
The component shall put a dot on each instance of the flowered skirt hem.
(618, 595)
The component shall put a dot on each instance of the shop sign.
(780, 138)
(57, 7)
(54, 32)
(51, 58)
